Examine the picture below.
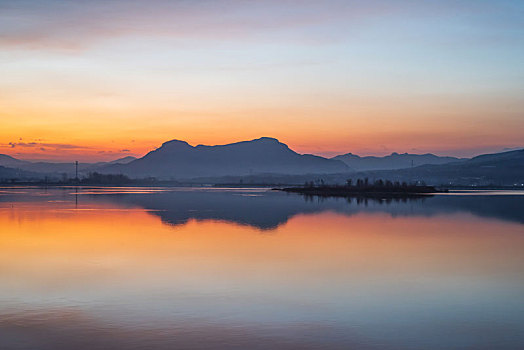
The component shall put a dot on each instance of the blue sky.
(325, 77)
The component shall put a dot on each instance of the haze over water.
(157, 268)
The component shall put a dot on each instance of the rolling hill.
(506, 168)
(392, 161)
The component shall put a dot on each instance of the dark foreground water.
(154, 268)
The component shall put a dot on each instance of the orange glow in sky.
(107, 79)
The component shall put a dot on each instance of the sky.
(102, 79)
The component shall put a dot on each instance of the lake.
(217, 268)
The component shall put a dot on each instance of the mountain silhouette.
(506, 168)
(11, 162)
(268, 161)
(53, 168)
(123, 160)
(499, 169)
(7, 174)
(392, 161)
(179, 160)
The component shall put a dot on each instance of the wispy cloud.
(43, 145)
(78, 24)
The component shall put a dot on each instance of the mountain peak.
(6, 156)
(347, 155)
(8, 161)
(176, 143)
(267, 139)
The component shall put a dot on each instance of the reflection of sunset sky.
(98, 269)
(107, 78)
(53, 256)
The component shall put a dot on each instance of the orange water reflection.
(368, 270)
(49, 248)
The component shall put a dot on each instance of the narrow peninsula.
(363, 188)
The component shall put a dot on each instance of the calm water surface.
(157, 268)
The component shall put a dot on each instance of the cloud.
(78, 25)
(516, 148)
(75, 25)
(43, 146)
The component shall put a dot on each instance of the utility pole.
(76, 171)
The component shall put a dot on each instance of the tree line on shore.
(366, 183)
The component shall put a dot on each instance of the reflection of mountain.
(261, 210)
(267, 210)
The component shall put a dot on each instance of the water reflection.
(107, 272)
(267, 210)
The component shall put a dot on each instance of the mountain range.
(392, 161)
(55, 169)
(506, 168)
(267, 160)
(178, 160)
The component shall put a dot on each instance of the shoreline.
(368, 191)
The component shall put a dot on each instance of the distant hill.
(8, 161)
(123, 160)
(6, 174)
(56, 168)
(96, 166)
(178, 160)
(392, 161)
(268, 161)
(505, 168)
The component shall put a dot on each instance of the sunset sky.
(100, 79)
